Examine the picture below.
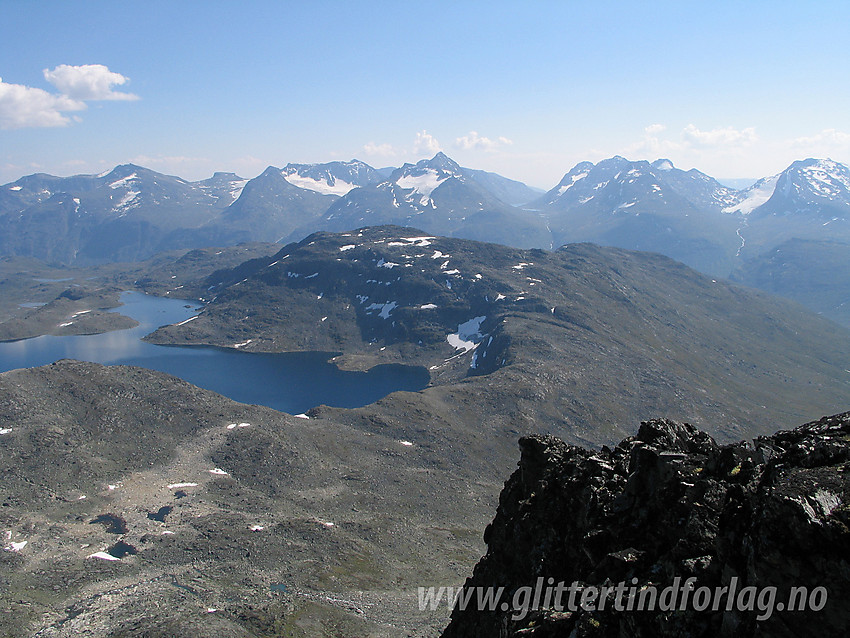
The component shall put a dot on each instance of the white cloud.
(26, 107)
(88, 82)
(652, 145)
(830, 138)
(727, 136)
(691, 142)
(29, 107)
(473, 141)
(426, 144)
(381, 150)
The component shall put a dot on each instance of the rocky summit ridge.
(666, 505)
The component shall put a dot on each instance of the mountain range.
(134, 503)
(131, 213)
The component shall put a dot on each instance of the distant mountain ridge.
(438, 196)
(130, 212)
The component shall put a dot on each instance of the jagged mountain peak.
(663, 164)
(444, 162)
(440, 164)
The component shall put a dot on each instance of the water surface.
(292, 382)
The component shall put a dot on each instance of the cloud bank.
(426, 144)
(473, 141)
(88, 82)
(24, 106)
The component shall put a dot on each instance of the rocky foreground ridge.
(667, 503)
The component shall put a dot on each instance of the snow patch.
(754, 196)
(423, 184)
(5, 431)
(103, 556)
(184, 322)
(124, 181)
(127, 202)
(466, 332)
(419, 241)
(563, 189)
(342, 249)
(236, 189)
(219, 472)
(478, 354)
(386, 308)
(321, 186)
(177, 486)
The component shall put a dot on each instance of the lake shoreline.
(292, 382)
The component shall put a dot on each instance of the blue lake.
(292, 382)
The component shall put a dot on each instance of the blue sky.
(526, 89)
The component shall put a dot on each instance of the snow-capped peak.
(663, 165)
(333, 178)
(440, 164)
(426, 176)
(441, 161)
(825, 177)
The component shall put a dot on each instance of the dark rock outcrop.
(664, 506)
